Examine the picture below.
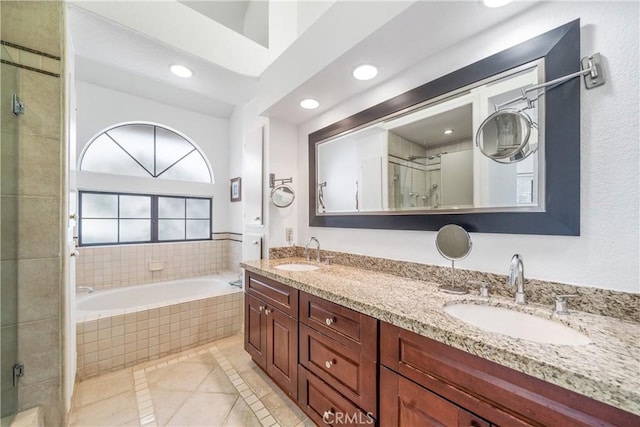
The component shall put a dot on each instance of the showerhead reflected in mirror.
(507, 136)
(453, 243)
(282, 196)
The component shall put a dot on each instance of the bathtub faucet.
(89, 289)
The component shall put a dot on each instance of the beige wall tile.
(39, 289)
(39, 337)
(9, 169)
(40, 367)
(39, 227)
(42, 96)
(42, 18)
(8, 228)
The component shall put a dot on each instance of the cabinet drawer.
(326, 406)
(497, 393)
(404, 403)
(276, 294)
(340, 323)
(350, 372)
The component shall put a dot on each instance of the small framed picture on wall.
(236, 189)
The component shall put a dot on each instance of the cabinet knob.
(329, 363)
(329, 321)
(261, 308)
(327, 414)
(267, 311)
(257, 218)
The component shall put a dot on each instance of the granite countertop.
(607, 369)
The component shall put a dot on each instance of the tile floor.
(214, 385)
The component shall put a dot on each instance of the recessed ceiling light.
(181, 71)
(496, 3)
(448, 131)
(365, 72)
(309, 104)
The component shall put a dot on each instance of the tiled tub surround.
(605, 370)
(103, 267)
(605, 302)
(111, 340)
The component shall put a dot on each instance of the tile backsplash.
(104, 267)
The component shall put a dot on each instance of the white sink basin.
(297, 267)
(516, 324)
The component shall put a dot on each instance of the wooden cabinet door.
(255, 329)
(404, 403)
(282, 349)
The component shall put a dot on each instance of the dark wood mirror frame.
(560, 48)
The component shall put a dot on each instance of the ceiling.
(233, 15)
(430, 131)
(113, 56)
(132, 50)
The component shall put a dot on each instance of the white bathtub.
(119, 328)
(133, 298)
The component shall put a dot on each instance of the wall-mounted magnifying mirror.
(282, 196)
(507, 136)
(453, 243)
(504, 136)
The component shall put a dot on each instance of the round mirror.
(282, 196)
(504, 136)
(453, 242)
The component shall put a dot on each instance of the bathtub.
(118, 328)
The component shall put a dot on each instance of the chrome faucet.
(89, 289)
(516, 278)
(306, 248)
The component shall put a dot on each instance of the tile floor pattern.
(213, 385)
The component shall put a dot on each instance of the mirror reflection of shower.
(415, 181)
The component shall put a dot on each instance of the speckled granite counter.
(607, 370)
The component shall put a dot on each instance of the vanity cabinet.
(424, 382)
(338, 363)
(271, 329)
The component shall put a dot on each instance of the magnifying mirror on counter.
(507, 136)
(453, 243)
(282, 196)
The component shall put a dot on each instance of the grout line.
(259, 410)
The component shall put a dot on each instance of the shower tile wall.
(37, 161)
(117, 266)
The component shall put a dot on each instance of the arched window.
(145, 150)
(143, 213)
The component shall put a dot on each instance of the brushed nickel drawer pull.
(329, 363)
(329, 321)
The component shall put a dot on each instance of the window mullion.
(154, 219)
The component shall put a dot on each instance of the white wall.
(282, 149)
(99, 108)
(606, 254)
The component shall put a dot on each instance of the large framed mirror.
(411, 162)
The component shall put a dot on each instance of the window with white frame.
(143, 150)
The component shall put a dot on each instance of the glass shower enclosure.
(8, 238)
